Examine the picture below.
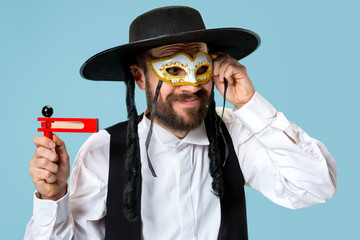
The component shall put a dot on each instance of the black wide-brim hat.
(164, 26)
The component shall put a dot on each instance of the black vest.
(233, 224)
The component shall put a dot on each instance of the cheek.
(151, 76)
(153, 81)
(208, 86)
(165, 90)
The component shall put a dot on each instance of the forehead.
(190, 48)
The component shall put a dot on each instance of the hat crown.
(165, 21)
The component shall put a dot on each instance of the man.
(180, 170)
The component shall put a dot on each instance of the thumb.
(60, 148)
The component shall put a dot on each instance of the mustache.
(201, 95)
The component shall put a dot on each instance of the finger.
(219, 85)
(42, 141)
(214, 55)
(45, 164)
(217, 63)
(60, 148)
(229, 74)
(39, 174)
(43, 152)
(223, 67)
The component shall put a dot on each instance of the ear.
(139, 76)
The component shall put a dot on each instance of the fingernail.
(51, 144)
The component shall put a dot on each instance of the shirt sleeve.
(80, 213)
(47, 216)
(293, 175)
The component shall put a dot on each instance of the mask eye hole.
(202, 69)
(176, 71)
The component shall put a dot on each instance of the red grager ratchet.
(50, 125)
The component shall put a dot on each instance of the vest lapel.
(116, 224)
(233, 224)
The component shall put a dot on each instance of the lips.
(189, 101)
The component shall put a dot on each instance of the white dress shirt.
(179, 203)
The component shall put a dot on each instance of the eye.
(176, 71)
(202, 70)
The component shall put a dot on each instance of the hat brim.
(108, 65)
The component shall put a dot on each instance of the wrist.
(245, 99)
(53, 197)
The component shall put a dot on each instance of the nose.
(189, 88)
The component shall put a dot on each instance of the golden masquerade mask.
(181, 69)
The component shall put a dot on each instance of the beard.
(167, 115)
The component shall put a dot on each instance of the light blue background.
(307, 67)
